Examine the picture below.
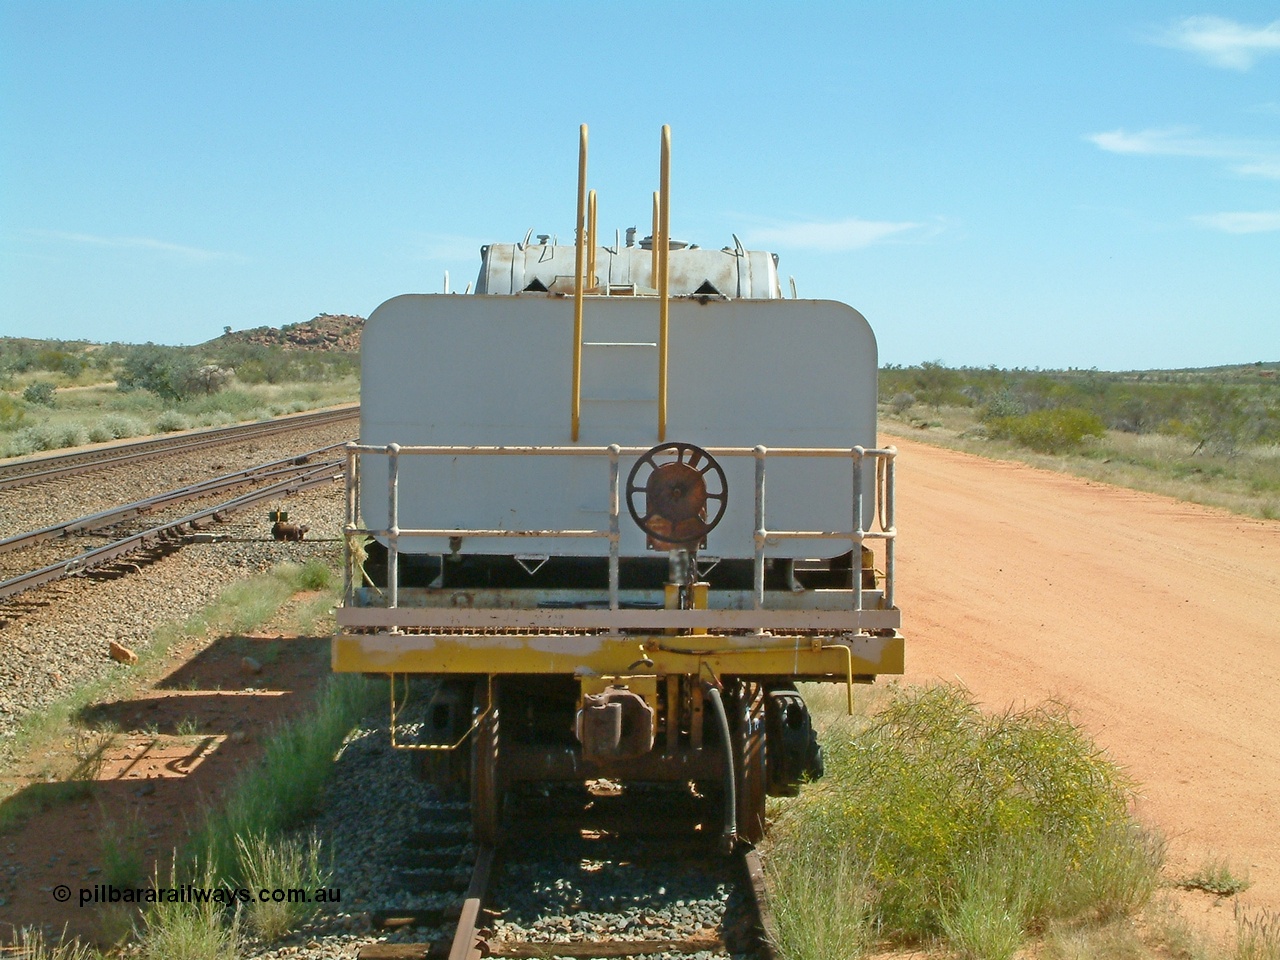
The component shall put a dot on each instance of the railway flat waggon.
(607, 510)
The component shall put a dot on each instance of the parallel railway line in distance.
(54, 466)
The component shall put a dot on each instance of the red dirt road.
(1157, 621)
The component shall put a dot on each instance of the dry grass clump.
(292, 870)
(191, 929)
(939, 821)
(1257, 935)
(29, 943)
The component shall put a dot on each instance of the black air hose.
(730, 784)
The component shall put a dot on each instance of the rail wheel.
(486, 775)
(748, 729)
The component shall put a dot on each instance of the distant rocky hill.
(328, 331)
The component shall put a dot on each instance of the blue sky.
(1080, 184)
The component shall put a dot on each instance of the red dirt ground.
(180, 745)
(1156, 620)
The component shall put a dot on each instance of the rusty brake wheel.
(676, 492)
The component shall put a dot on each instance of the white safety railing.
(392, 533)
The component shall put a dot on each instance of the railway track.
(585, 874)
(289, 476)
(276, 469)
(56, 466)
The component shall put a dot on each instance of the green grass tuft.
(192, 930)
(283, 788)
(290, 864)
(822, 909)
(316, 575)
(122, 844)
(1216, 876)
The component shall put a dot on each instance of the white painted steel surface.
(733, 272)
(495, 370)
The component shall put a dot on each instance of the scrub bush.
(116, 426)
(41, 392)
(1048, 431)
(974, 827)
(170, 421)
(47, 436)
(12, 413)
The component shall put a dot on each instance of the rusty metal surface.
(466, 940)
(676, 495)
(754, 871)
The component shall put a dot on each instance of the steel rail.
(766, 923)
(53, 466)
(215, 485)
(466, 940)
(312, 475)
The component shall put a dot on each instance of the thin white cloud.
(1249, 158)
(134, 243)
(849, 234)
(1175, 141)
(1268, 169)
(1263, 221)
(1222, 42)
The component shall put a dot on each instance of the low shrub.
(41, 392)
(901, 402)
(171, 421)
(975, 827)
(12, 413)
(1217, 877)
(1048, 431)
(116, 426)
(46, 436)
(1002, 403)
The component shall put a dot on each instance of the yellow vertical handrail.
(591, 240)
(579, 249)
(662, 242)
(653, 248)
